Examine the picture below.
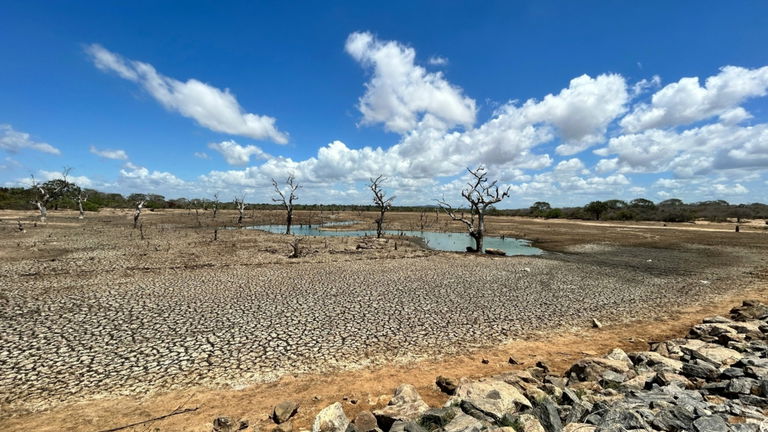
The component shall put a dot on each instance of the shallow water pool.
(454, 242)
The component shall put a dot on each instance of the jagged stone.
(624, 417)
(700, 369)
(446, 385)
(711, 423)
(331, 419)
(284, 411)
(715, 354)
(492, 397)
(529, 423)
(401, 426)
(436, 418)
(365, 421)
(595, 369)
(655, 361)
(546, 412)
(405, 406)
(741, 386)
(464, 423)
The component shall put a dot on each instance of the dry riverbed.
(93, 310)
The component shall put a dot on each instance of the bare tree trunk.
(137, 214)
(80, 207)
(43, 211)
(289, 220)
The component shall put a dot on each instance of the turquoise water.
(456, 242)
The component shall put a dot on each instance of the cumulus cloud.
(582, 111)
(140, 179)
(695, 151)
(82, 181)
(210, 107)
(686, 101)
(400, 93)
(235, 154)
(14, 141)
(109, 154)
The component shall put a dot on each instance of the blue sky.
(564, 101)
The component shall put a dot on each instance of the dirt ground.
(66, 249)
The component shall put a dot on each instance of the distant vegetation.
(671, 210)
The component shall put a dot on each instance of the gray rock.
(493, 398)
(446, 385)
(626, 418)
(284, 411)
(436, 418)
(546, 412)
(741, 386)
(464, 423)
(331, 419)
(365, 421)
(700, 369)
(224, 424)
(405, 406)
(711, 423)
(402, 426)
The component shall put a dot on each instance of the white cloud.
(211, 107)
(723, 190)
(201, 155)
(691, 152)
(582, 111)
(109, 154)
(685, 101)
(437, 61)
(81, 181)
(400, 91)
(15, 141)
(140, 179)
(235, 154)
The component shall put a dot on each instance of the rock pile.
(715, 379)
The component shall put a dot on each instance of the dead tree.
(286, 199)
(380, 200)
(138, 205)
(81, 197)
(480, 195)
(296, 248)
(240, 204)
(49, 191)
(215, 204)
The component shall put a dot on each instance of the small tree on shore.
(240, 205)
(138, 206)
(81, 196)
(286, 199)
(381, 201)
(215, 204)
(480, 194)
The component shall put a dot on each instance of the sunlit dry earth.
(95, 309)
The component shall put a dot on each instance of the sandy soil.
(39, 261)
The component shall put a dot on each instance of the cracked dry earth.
(149, 324)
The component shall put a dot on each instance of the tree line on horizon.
(670, 210)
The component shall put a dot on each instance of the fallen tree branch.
(172, 413)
